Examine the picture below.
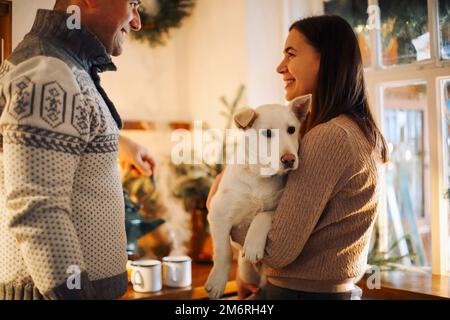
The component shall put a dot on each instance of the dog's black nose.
(288, 164)
(288, 161)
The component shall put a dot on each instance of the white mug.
(146, 275)
(177, 271)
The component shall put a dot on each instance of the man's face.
(112, 20)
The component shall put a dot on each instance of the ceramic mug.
(177, 271)
(146, 275)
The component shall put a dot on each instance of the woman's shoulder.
(340, 134)
(341, 126)
(328, 137)
(336, 128)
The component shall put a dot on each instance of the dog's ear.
(301, 106)
(245, 118)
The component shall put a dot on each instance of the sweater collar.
(84, 45)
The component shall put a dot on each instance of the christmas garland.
(159, 16)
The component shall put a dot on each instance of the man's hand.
(213, 189)
(134, 155)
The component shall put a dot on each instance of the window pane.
(446, 88)
(355, 12)
(444, 22)
(404, 31)
(409, 224)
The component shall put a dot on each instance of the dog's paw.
(215, 285)
(253, 252)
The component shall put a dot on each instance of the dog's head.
(277, 128)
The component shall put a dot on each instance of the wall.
(267, 26)
(265, 42)
(184, 80)
(24, 12)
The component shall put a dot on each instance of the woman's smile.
(289, 82)
(299, 67)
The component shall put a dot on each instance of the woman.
(318, 243)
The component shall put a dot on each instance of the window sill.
(400, 285)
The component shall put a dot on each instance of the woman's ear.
(245, 118)
(301, 106)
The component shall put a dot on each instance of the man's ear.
(245, 118)
(90, 3)
(301, 106)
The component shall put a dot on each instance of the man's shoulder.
(32, 47)
(40, 71)
(44, 93)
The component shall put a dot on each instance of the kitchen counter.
(394, 285)
(196, 291)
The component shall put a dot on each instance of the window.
(445, 85)
(404, 30)
(355, 12)
(444, 26)
(407, 68)
(409, 224)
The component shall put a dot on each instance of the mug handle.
(173, 270)
(136, 277)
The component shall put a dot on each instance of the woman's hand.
(213, 189)
(245, 289)
(132, 154)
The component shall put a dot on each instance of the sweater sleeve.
(45, 127)
(324, 155)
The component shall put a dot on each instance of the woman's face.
(300, 66)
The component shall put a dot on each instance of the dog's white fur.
(246, 196)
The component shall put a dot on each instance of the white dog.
(250, 192)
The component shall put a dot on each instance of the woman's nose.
(135, 23)
(281, 67)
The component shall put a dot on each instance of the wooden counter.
(400, 285)
(200, 273)
(395, 285)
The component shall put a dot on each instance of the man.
(62, 233)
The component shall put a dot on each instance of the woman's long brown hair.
(340, 84)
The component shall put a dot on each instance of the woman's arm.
(325, 154)
(213, 189)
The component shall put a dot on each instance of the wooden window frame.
(5, 29)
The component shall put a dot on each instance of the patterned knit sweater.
(62, 232)
(321, 229)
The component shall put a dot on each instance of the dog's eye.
(267, 133)
(291, 130)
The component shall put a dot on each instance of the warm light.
(408, 155)
(390, 147)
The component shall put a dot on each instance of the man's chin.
(117, 52)
(117, 47)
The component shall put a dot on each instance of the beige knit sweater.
(321, 229)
